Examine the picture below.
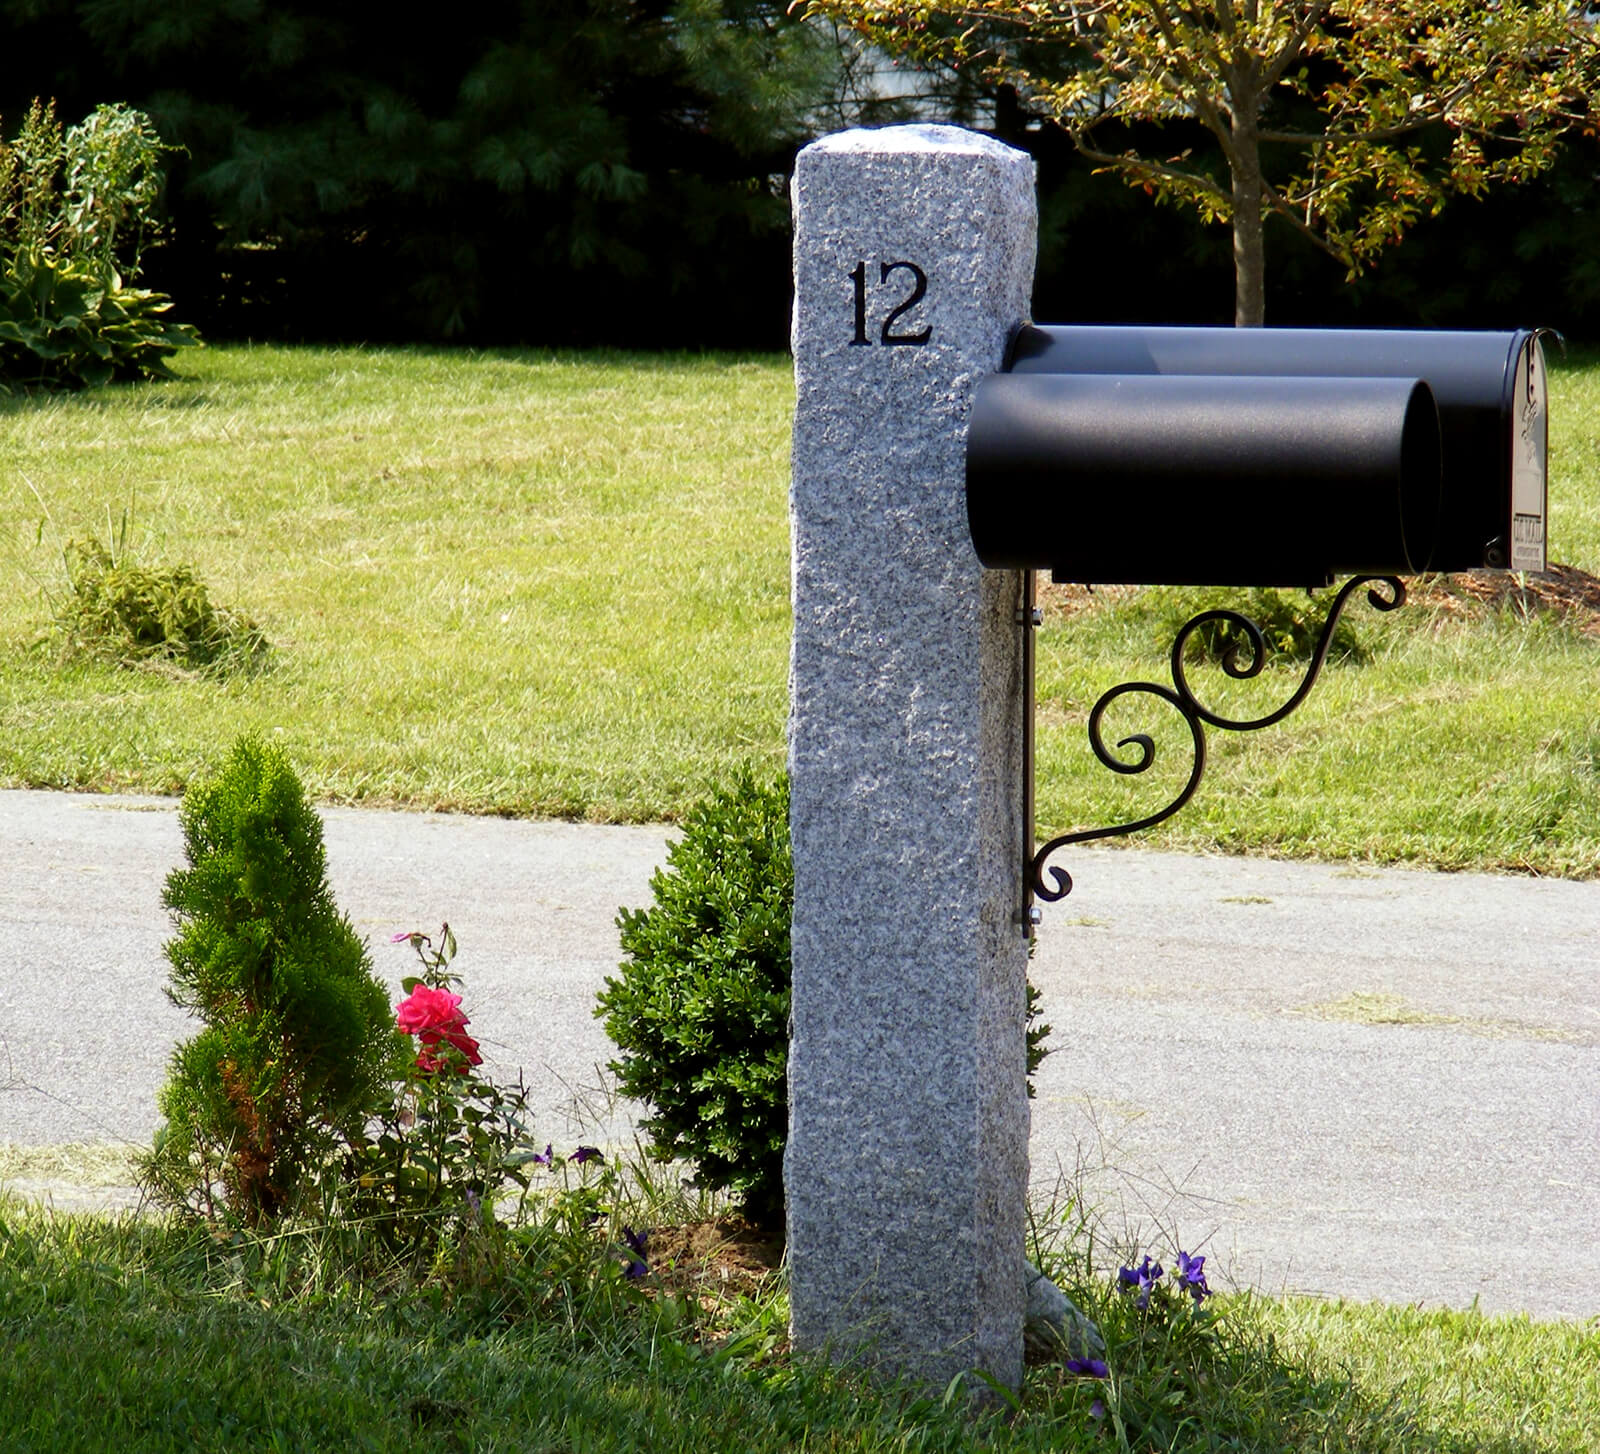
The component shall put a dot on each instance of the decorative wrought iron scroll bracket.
(1241, 661)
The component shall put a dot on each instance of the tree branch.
(1281, 207)
(1140, 166)
(1293, 48)
(1199, 97)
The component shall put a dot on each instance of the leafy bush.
(121, 611)
(299, 1045)
(71, 204)
(1291, 623)
(700, 1010)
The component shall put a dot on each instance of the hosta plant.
(76, 208)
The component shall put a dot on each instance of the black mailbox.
(1224, 456)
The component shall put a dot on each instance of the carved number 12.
(886, 334)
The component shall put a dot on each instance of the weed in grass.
(135, 615)
(114, 609)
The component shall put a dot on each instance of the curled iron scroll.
(1239, 663)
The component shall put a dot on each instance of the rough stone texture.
(906, 1166)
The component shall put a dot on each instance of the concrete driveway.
(1330, 1079)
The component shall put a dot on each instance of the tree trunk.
(1249, 256)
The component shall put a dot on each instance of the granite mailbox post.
(906, 1165)
(937, 432)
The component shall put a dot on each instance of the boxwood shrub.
(700, 1007)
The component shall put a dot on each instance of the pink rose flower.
(426, 1008)
(434, 1015)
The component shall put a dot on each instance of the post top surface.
(926, 138)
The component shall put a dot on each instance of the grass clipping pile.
(159, 618)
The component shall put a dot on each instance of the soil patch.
(723, 1257)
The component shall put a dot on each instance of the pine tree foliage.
(530, 168)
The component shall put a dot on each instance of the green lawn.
(518, 583)
(557, 584)
(142, 1337)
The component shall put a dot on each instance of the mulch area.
(720, 1258)
(1563, 591)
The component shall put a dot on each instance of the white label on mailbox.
(1529, 438)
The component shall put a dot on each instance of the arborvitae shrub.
(700, 1010)
(299, 1043)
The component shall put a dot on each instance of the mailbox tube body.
(1489, 388)
(1203, 480)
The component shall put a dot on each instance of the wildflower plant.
(1165, 1353)
(452, 1143)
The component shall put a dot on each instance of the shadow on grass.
(143, 1335)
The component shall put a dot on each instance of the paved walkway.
(1331, 1079)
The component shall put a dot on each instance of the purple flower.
(1144, 1277)
(1088, 1367)
(587, 1153)
(405, 936)
(1097, 1410)
(636, 1266)
(476, 1203)
(1192, 1274)
(548, 1159)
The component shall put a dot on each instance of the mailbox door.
(1529, 452)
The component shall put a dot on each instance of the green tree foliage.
(1349, 120)
(76, 208)
(529, 168)
(299, 1044)
(613, 171)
